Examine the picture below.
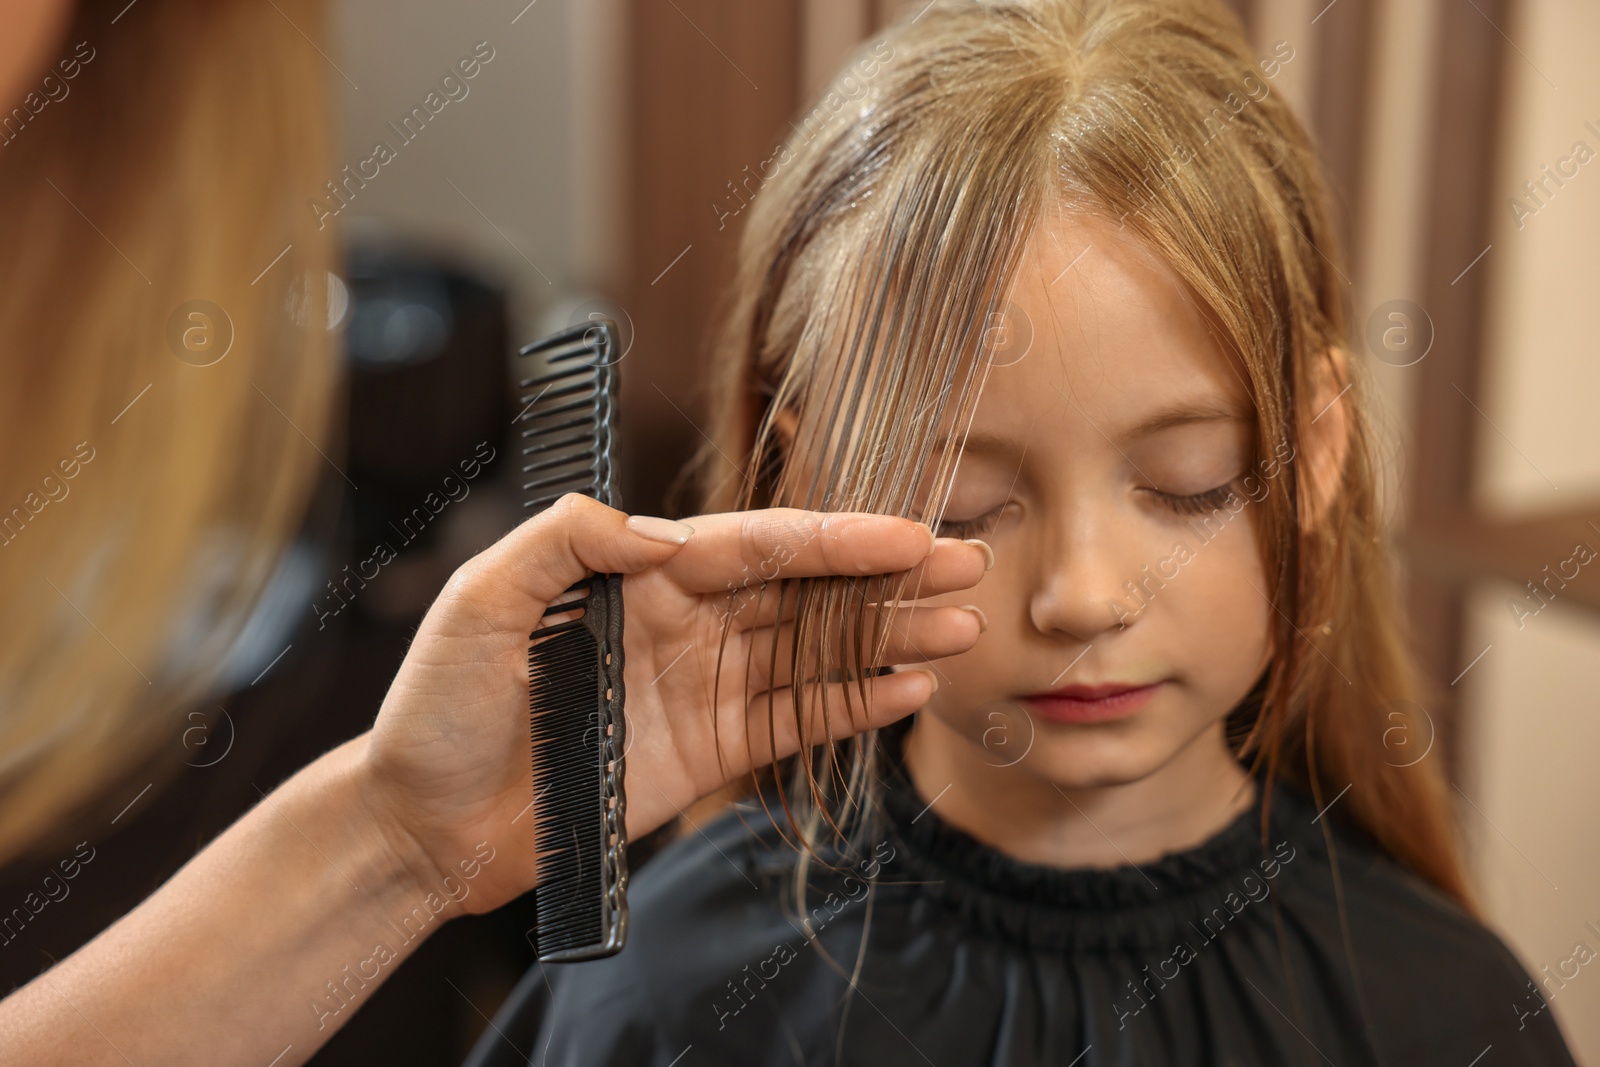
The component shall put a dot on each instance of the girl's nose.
(1088, 584)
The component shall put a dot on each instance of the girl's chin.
(1077, 770)
(1079, 757)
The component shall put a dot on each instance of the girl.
(1061, 281)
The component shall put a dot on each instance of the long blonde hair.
(145, 497)
(889, 236)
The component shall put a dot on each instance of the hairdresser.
(162, 152)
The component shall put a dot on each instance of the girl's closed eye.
(983, 524)
(1197, 503)
(978, 526)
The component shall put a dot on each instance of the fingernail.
(983, 620)
(988, 553)
(934, 678)
(664, 530)
(933, 541)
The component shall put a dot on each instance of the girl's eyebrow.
(983, 443)
(1182, 415)
(986, 443)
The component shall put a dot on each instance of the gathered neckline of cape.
(1098, 906)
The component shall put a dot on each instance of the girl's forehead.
(1096, 315)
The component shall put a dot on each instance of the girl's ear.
(785, 423)
(1326, 440)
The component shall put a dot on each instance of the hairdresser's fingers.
(915, 635)
(953, 565)
(889, 697)
(744, 548)
(540, 559)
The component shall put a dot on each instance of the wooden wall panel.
(714, 86)
(1342, 36)
(1466, 118)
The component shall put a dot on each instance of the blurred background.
(598, 164)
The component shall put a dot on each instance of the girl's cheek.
(1241, 617)
(1226, 616)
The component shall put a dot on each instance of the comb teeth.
(564, 675)
(561, 412)
(575, 660)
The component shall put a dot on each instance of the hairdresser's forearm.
(264, 941)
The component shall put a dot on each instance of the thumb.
(513, 579)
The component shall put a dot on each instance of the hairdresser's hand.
(448, 761)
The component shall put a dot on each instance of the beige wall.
(493, 177)
(1543, 376)
(1536, 736)
(1534, 698)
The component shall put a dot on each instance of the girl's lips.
(1086, 703)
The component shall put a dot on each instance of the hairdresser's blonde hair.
(893, 231)
(174, 166)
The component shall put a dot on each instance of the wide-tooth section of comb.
(575, 660)
(565, 412)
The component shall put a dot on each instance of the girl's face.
(1109, 466)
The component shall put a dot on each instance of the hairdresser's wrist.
(401, 865)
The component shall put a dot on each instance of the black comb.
(568, 426)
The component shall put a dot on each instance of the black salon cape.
(1229, 953)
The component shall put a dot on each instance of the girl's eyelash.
(1197, 503)
(967, 528)
(1192, 504)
